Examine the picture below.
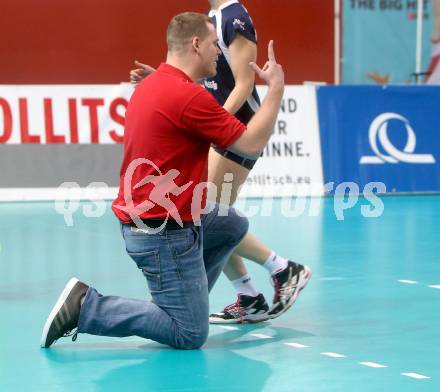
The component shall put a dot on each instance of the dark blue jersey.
(231, 19)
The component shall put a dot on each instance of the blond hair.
(184, 27)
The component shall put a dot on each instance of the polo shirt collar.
(169, 69)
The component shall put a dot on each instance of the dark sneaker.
(247, 309)
(288, 284)
(65, 314)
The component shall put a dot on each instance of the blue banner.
(379, 40)
(381, 134)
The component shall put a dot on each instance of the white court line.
(408, 281)
(431, 286)
(415, 375)
(333, 355)
(261, 336)
(296, 345)
(229, 328)
(373, 365)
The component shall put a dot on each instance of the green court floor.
(369, 320)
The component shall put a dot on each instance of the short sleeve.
(205, 118)
(240, 23)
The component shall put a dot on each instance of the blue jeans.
(181, 267)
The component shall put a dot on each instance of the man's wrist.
(277, 88)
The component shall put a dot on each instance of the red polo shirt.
(170, 124)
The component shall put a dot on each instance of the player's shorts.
(247, 163)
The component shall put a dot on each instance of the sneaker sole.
(60, 301)
(306, 277)
(248, 319)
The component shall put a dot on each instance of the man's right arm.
(260, 128)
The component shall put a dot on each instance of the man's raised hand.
(272, 72)
(143, 70)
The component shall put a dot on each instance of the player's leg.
(434, 66)
(250, 303)
(288, 277)
(436, 20)
(227, 188)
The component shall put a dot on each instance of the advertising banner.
(379, 40)
(51, 134)
(63, 114)
(388, 135)
(291, 162)
(54, 134)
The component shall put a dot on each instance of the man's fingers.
(139, 72)
(139, 64)
(145, 67)
(256, 68)
(270, 52)
(134, 77)
(149, 69)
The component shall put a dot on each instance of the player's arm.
(243, 51)
(260, 128)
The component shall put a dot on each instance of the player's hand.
(143, 70)
(272, 72)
